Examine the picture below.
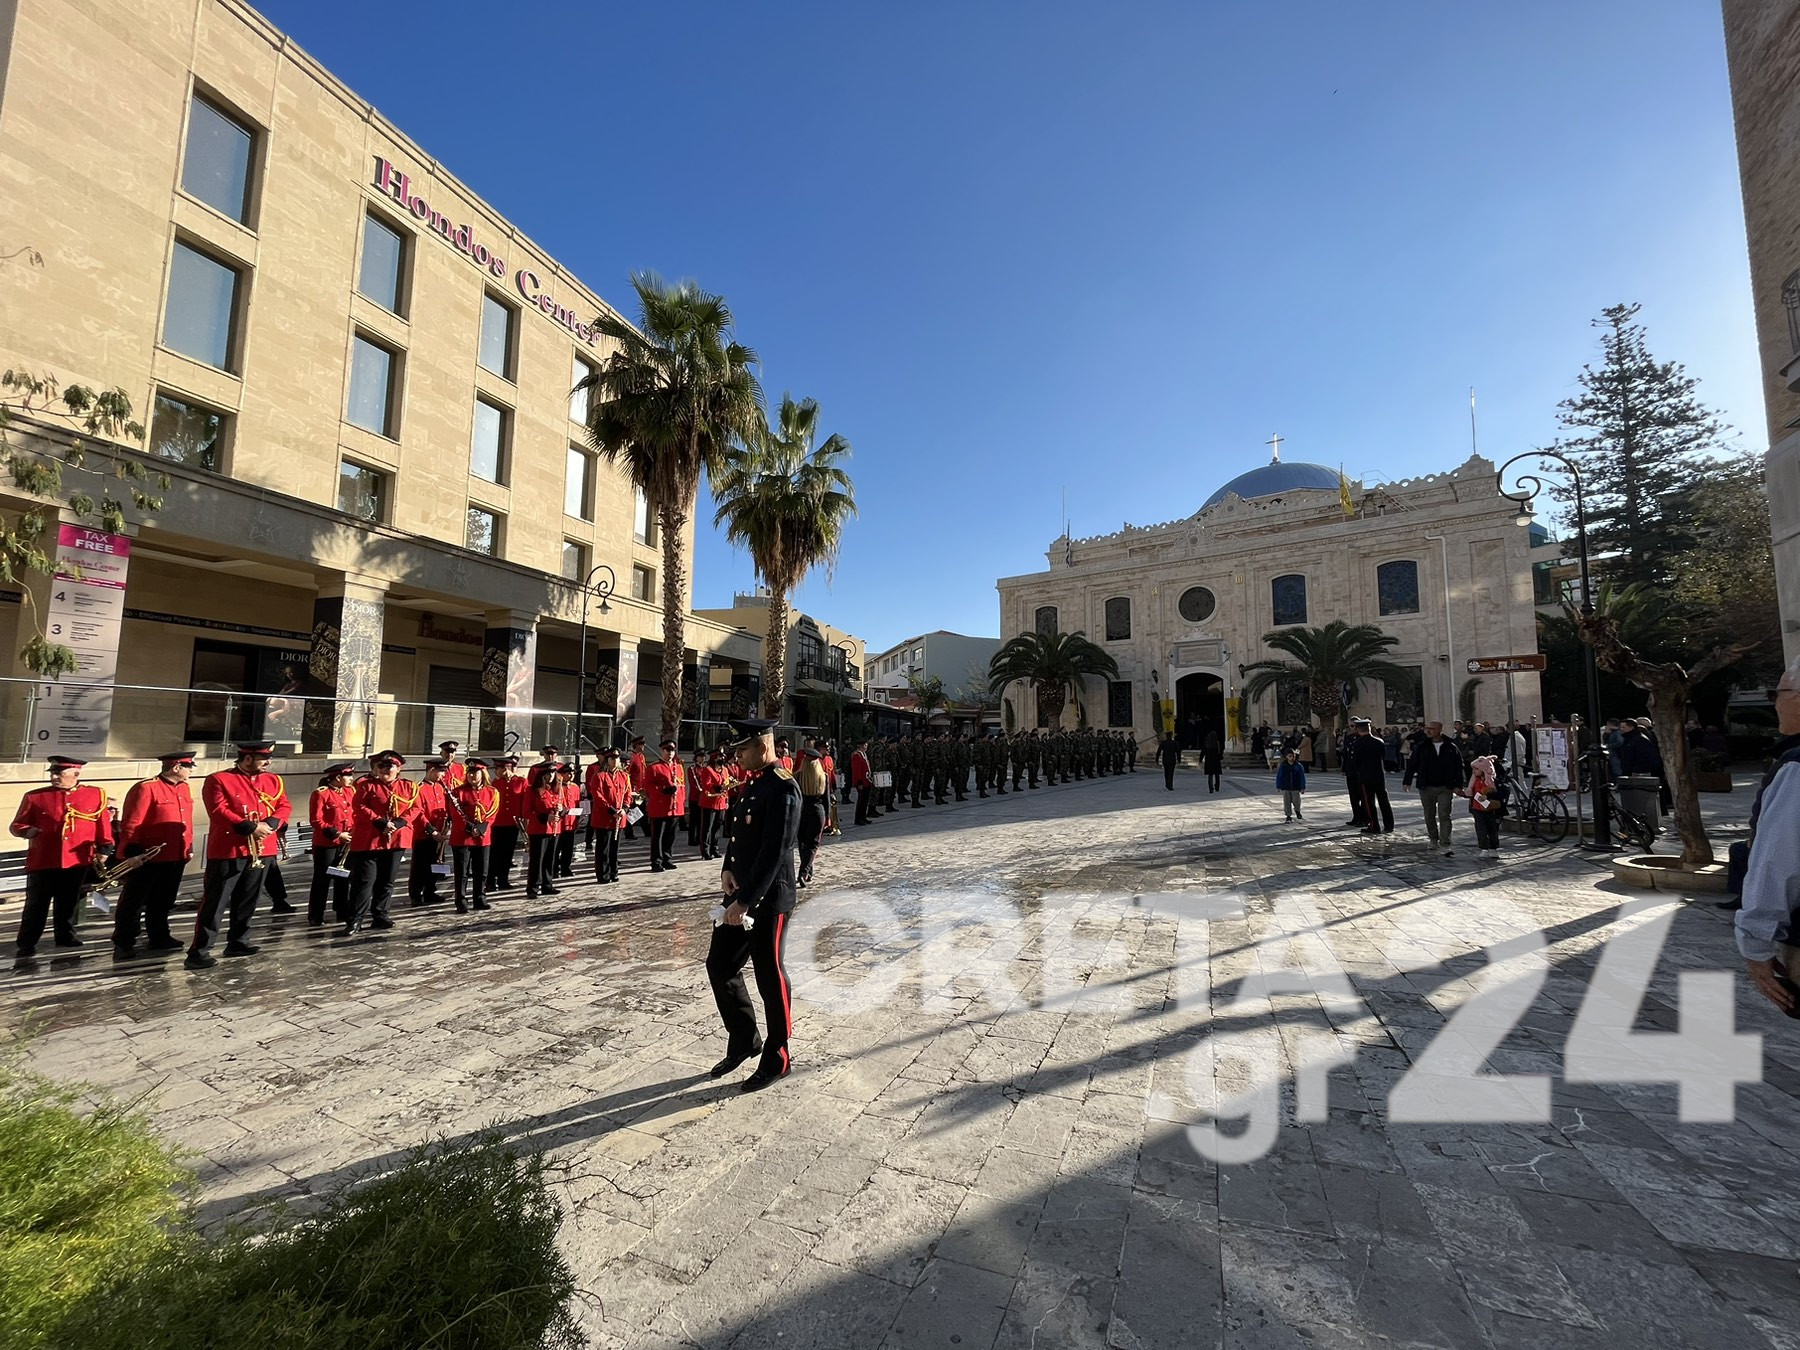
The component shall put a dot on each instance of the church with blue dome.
(1439, 562)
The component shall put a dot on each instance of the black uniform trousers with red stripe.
(762, 947)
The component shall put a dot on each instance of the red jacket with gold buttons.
(473, 805)
(665, 790)
(157, 811)
(330, 810)
(232, 797)
(374, 800)
(543, 805)
(70, 824)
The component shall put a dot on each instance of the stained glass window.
(1118, 703)
(1046, 619)
(1118, 619)
(1289, 596)
(1197, 604)
(1397, 587)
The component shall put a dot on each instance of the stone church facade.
(1439, 562)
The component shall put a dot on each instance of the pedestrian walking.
(814, 810)
(1437, 766)
(1168, 754)
(665, 802)
(1290, 781)
(1212, 757)
(1486, 805)
(1365, 766)
(383, 808)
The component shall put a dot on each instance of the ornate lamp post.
(1528, 487)
(589, 589)
(849, 650)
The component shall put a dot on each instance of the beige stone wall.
(1762, 42)
(91, 138)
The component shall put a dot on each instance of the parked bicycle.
(1540, 808)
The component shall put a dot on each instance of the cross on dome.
(1274, 444)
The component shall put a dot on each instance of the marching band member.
(431, 834)
(475, 806)
(665, 801)
(635, 765)
(68, 827)
(158, 814)
(383, 807)
(543, 824)
(245, 805)
(454, 773)
(571, 821)
(712, 780)
(513, 789)
(609, 798)
(330, 812)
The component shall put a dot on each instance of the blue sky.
(1012, 248)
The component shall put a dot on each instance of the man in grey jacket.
(1766, 923)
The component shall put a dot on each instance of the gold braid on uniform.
(71, 815)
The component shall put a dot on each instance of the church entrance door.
(1199, 708)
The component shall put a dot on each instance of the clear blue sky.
(1014, 247)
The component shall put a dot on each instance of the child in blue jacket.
(1290, 781)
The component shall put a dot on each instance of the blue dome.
(1271, 480)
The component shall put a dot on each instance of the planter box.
(1663, 872)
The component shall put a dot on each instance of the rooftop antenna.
(1472, 444)
(1274, 444)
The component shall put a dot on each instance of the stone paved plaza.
(1006, 1019)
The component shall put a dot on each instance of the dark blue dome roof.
(1271, 480)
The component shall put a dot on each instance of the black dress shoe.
(350, 929)
(200, 961)
(731, 1062)
(482, 904)
(668, 864)
(170, 945)
(462, 906)
(241, 949)
(282, 907)
(759, 1080)
(551, 890)
(70, 941)
(122, 952)
(379, 922)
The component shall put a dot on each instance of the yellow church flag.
(1344, 494)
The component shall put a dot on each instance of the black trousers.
(814, 811)
(1487, 828)
(1169, 776)
(862, 804)
(372, 873)
(712, 829)
(274, 884)
(762, 947)
(606, 855)
(500, 855)
(540, 863)
(1212, 779)
(565, 851)
(336, 888)
(421, 882)
(55, 889)
(470, 862)
(233, 882)
(1375, 797)
(662, 839)
(1359, 814)
(148, 895)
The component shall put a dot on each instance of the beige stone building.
(821, 658)
(1439, 562)
(357, 375)
(1762, 43)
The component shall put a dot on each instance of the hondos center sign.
(391, 182)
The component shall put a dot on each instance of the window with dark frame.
(643, 583)
(200, 316)
(1288, 598)
(488, 446)
(1118, 619)
(574, 561)
(1118, 703)
(362, 491)
(578, 485)
(1044, 621)
(1397, 587)
(498, 320)
(374, 381)
(483, 532)
(187, 433)
(215, 166)
(383, 271)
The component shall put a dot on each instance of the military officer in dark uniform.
(758, 880)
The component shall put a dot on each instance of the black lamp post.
(1531, 486)
(589, 589)
(849, 650)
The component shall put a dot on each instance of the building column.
(508, 676)
(344, 667)
(614, 691)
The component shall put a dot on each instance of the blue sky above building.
(1014, 250)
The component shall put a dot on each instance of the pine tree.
(1639, 433)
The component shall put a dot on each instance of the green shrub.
(85, 1196)
(455, 1250)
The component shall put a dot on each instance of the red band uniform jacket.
(330, 810)
(473, 807)
(665, 791)
(710, 783)
(157, 811)
(232, 798)
(374, 800)
(434, 810)
(543, 806)
(70, 825)
(609, 797)
(515, 799)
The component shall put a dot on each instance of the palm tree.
(1054, 664)
(670, 400)
(1325, 660)
(787, 504)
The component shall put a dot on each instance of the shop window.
(382, 276)
(1397, 587)
(498, 322)
(488, 448)
(374, 387)
(362, 491)
(1118, 619)
(1118, 703)
(578, 486)
(188, 433)
(1288, 594)
(205, 298)
(483, 532)
(215, 168)
(244, 692)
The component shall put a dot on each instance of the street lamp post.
(588, 590)
(1530, 486)
(849, 650)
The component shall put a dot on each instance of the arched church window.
(1289, 596)
(1118, 619)
(1196, 604)
(1045, 621)
(1397, 587)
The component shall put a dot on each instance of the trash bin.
(1641, 794)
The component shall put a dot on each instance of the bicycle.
(1542, 810)
(1629, 825)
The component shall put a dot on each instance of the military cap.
(175, 757)
(334, 770)
(393, 757)
(254, 748)
(60, 762)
